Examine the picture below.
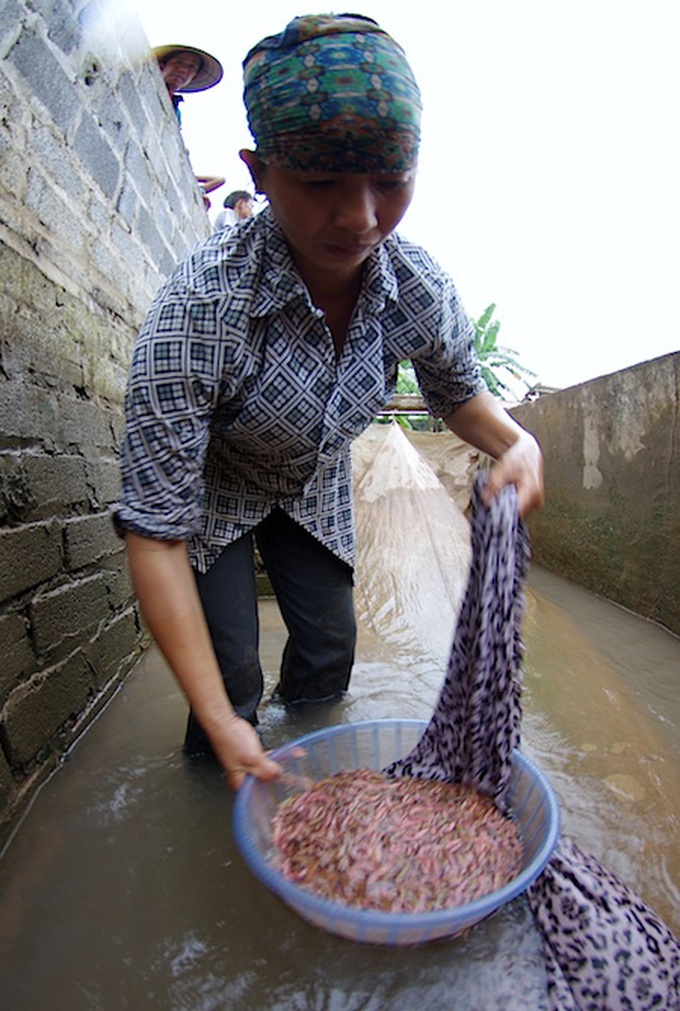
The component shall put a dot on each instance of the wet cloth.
(237, 402)
(606, 950)
(333, 94)
(475, 726)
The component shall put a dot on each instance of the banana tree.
(494, 357)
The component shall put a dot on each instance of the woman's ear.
(255, 167)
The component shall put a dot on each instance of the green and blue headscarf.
(333, 94)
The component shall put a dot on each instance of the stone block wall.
(97, 202)
(611, 521)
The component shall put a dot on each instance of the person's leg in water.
(314, 590)
(229, 597)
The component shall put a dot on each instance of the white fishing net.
(413, 540)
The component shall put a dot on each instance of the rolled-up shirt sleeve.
(171, 393)
(448, 371)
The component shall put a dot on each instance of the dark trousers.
(314, 590)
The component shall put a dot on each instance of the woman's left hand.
(485, 424)
(521, 465)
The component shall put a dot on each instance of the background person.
(206, 185)
(186, 69)
(238, 206)
(266, 352)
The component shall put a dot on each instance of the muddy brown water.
(122, 887)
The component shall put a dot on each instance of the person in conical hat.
(208, 70)
(187, 69)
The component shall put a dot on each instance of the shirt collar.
(280, 281)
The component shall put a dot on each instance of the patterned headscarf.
(333, 94)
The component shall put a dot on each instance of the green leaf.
(493, 356)
(486, 316)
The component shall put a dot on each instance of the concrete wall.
(97, 202)
(612, 517)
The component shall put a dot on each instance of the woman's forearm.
(166, 589)
(485, 424)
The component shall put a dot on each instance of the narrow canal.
(122, 887)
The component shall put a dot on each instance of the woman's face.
(333, 220)
(180, 70)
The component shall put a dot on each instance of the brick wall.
(97, 202)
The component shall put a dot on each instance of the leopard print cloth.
(476, 723)
(605, 949)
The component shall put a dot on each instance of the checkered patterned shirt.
(236, 402)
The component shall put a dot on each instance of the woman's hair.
(333, 93)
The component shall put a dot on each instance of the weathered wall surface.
(612, 456)
(97, 202)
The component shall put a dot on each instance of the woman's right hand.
(238, 749)
(166, 588)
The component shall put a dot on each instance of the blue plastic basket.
(373, 745)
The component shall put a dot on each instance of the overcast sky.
(549, 167)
